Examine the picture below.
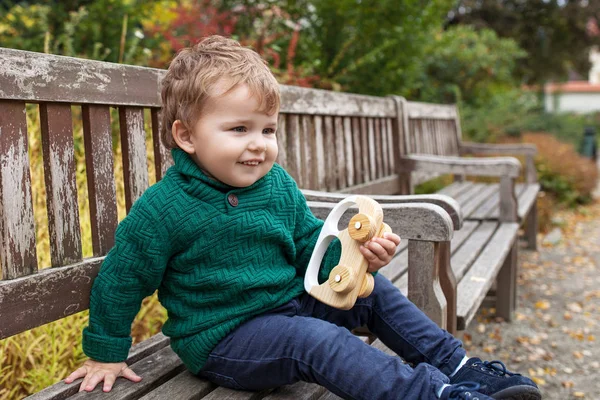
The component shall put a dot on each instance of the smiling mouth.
(251, 163)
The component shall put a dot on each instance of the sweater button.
(233, 200)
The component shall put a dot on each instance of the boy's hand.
(379, 251)
(94, 372)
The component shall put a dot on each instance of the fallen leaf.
(567, 384)
(542, 305)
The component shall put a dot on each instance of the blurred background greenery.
(492, 57)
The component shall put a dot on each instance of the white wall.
(572, 102)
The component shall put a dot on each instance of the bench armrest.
(489, 166)
(414, 221)
(524, 149)
(495, 148)
(449, 205)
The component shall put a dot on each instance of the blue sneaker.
(464, 391)
(496, 381)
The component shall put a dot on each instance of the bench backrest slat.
(133, 142)
(431, 129)
(100, 176)
(162, 156)
(17, 224)
(61, 187)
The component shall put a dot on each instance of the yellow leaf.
(542, 305)
(579, 395)
(539, 381)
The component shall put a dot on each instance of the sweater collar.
(200, 185)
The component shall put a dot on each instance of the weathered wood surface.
(410, 221)
(61, 390)
(61, 187)
(449, 205)
(477, 281)
(484, 204)
(34, 300)
(428, 111)
(491, 166)
(493, 148)
(17, 225)
(36, 77)
(424, 288)
(133, 143)
(100, 176)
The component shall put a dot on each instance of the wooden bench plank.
(298, 391)
(133, 144)
(185, 386)
(479, 198)
(464, 257)
(97, 138)
(61, 391)
(17, 223)
(61, 188)
(155, 369)
(32, 300)
(455, 188)
(527, 199)
(162, 156)
(475, 284)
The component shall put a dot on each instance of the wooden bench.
(328, 141)
(433, 145)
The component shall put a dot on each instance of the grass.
(35, 359)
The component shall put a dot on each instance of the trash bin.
(588, 147)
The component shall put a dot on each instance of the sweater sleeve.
(132, 270)
(306, 232)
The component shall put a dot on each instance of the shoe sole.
(521, 392)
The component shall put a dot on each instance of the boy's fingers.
(109, 381)
(388, 245)
(96, 378)
(129, 374)
(393, 237)
(78, 373)
(377, 249)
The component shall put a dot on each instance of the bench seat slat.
(60, 390)
(527, 199)
(298, 391)
(494, 211)
(156, 369)
(456, 188)
(479, 198)
(17, 223)
(464, 257)
(477, 281)
(185, 386)
(61, 187)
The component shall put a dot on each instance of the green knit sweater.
(216, 263)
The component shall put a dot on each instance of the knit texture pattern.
(215, 264)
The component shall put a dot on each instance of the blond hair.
(194, 73)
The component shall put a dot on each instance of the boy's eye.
(239, 129)
(269, 131)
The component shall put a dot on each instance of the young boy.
(226, 238)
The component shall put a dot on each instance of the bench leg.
(532, 228)
(424, 288)
(506, 293)
(448, 284)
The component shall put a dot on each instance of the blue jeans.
(307, 340)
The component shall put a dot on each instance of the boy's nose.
(258, 143)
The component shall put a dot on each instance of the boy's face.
(232, 141)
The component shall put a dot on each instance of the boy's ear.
(183, 137)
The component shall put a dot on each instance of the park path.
(555, 337)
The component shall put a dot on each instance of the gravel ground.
(555, 333)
